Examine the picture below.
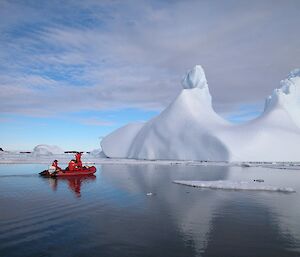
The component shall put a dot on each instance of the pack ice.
(189, 128)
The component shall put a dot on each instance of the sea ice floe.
(235, 185)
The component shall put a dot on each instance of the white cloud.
(112, 54)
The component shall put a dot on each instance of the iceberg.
(97, 153)
(190, 129)
(44, 149)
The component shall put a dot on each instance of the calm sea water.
(112, 214)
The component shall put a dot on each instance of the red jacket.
(78, 160)
(72, 165)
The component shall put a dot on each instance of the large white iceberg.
(189, 128)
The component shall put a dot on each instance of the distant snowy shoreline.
(14, 158)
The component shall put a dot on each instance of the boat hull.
(85, 171)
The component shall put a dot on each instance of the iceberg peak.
(294, 73)
(194, 78)
(287, 96)
(290, 86)
(291, 81)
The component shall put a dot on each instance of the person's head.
(55, 161)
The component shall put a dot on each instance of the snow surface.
(46, 150)
(235, 185)
(117, 145)
(189, 129)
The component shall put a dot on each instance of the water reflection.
(74, 182)
(187, 211)
(120, 219)
(214, 220)
(248, 229)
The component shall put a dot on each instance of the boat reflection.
(74, 182)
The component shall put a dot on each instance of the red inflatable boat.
(65, 173)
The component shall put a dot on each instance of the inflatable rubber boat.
(65, 173)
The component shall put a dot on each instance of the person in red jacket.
(78, 160)
(72, 165)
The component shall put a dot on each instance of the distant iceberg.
(189, 128)
(43, 149)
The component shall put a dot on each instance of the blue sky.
(73, 71)
(76, 130)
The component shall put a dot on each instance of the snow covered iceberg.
(189, 128)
